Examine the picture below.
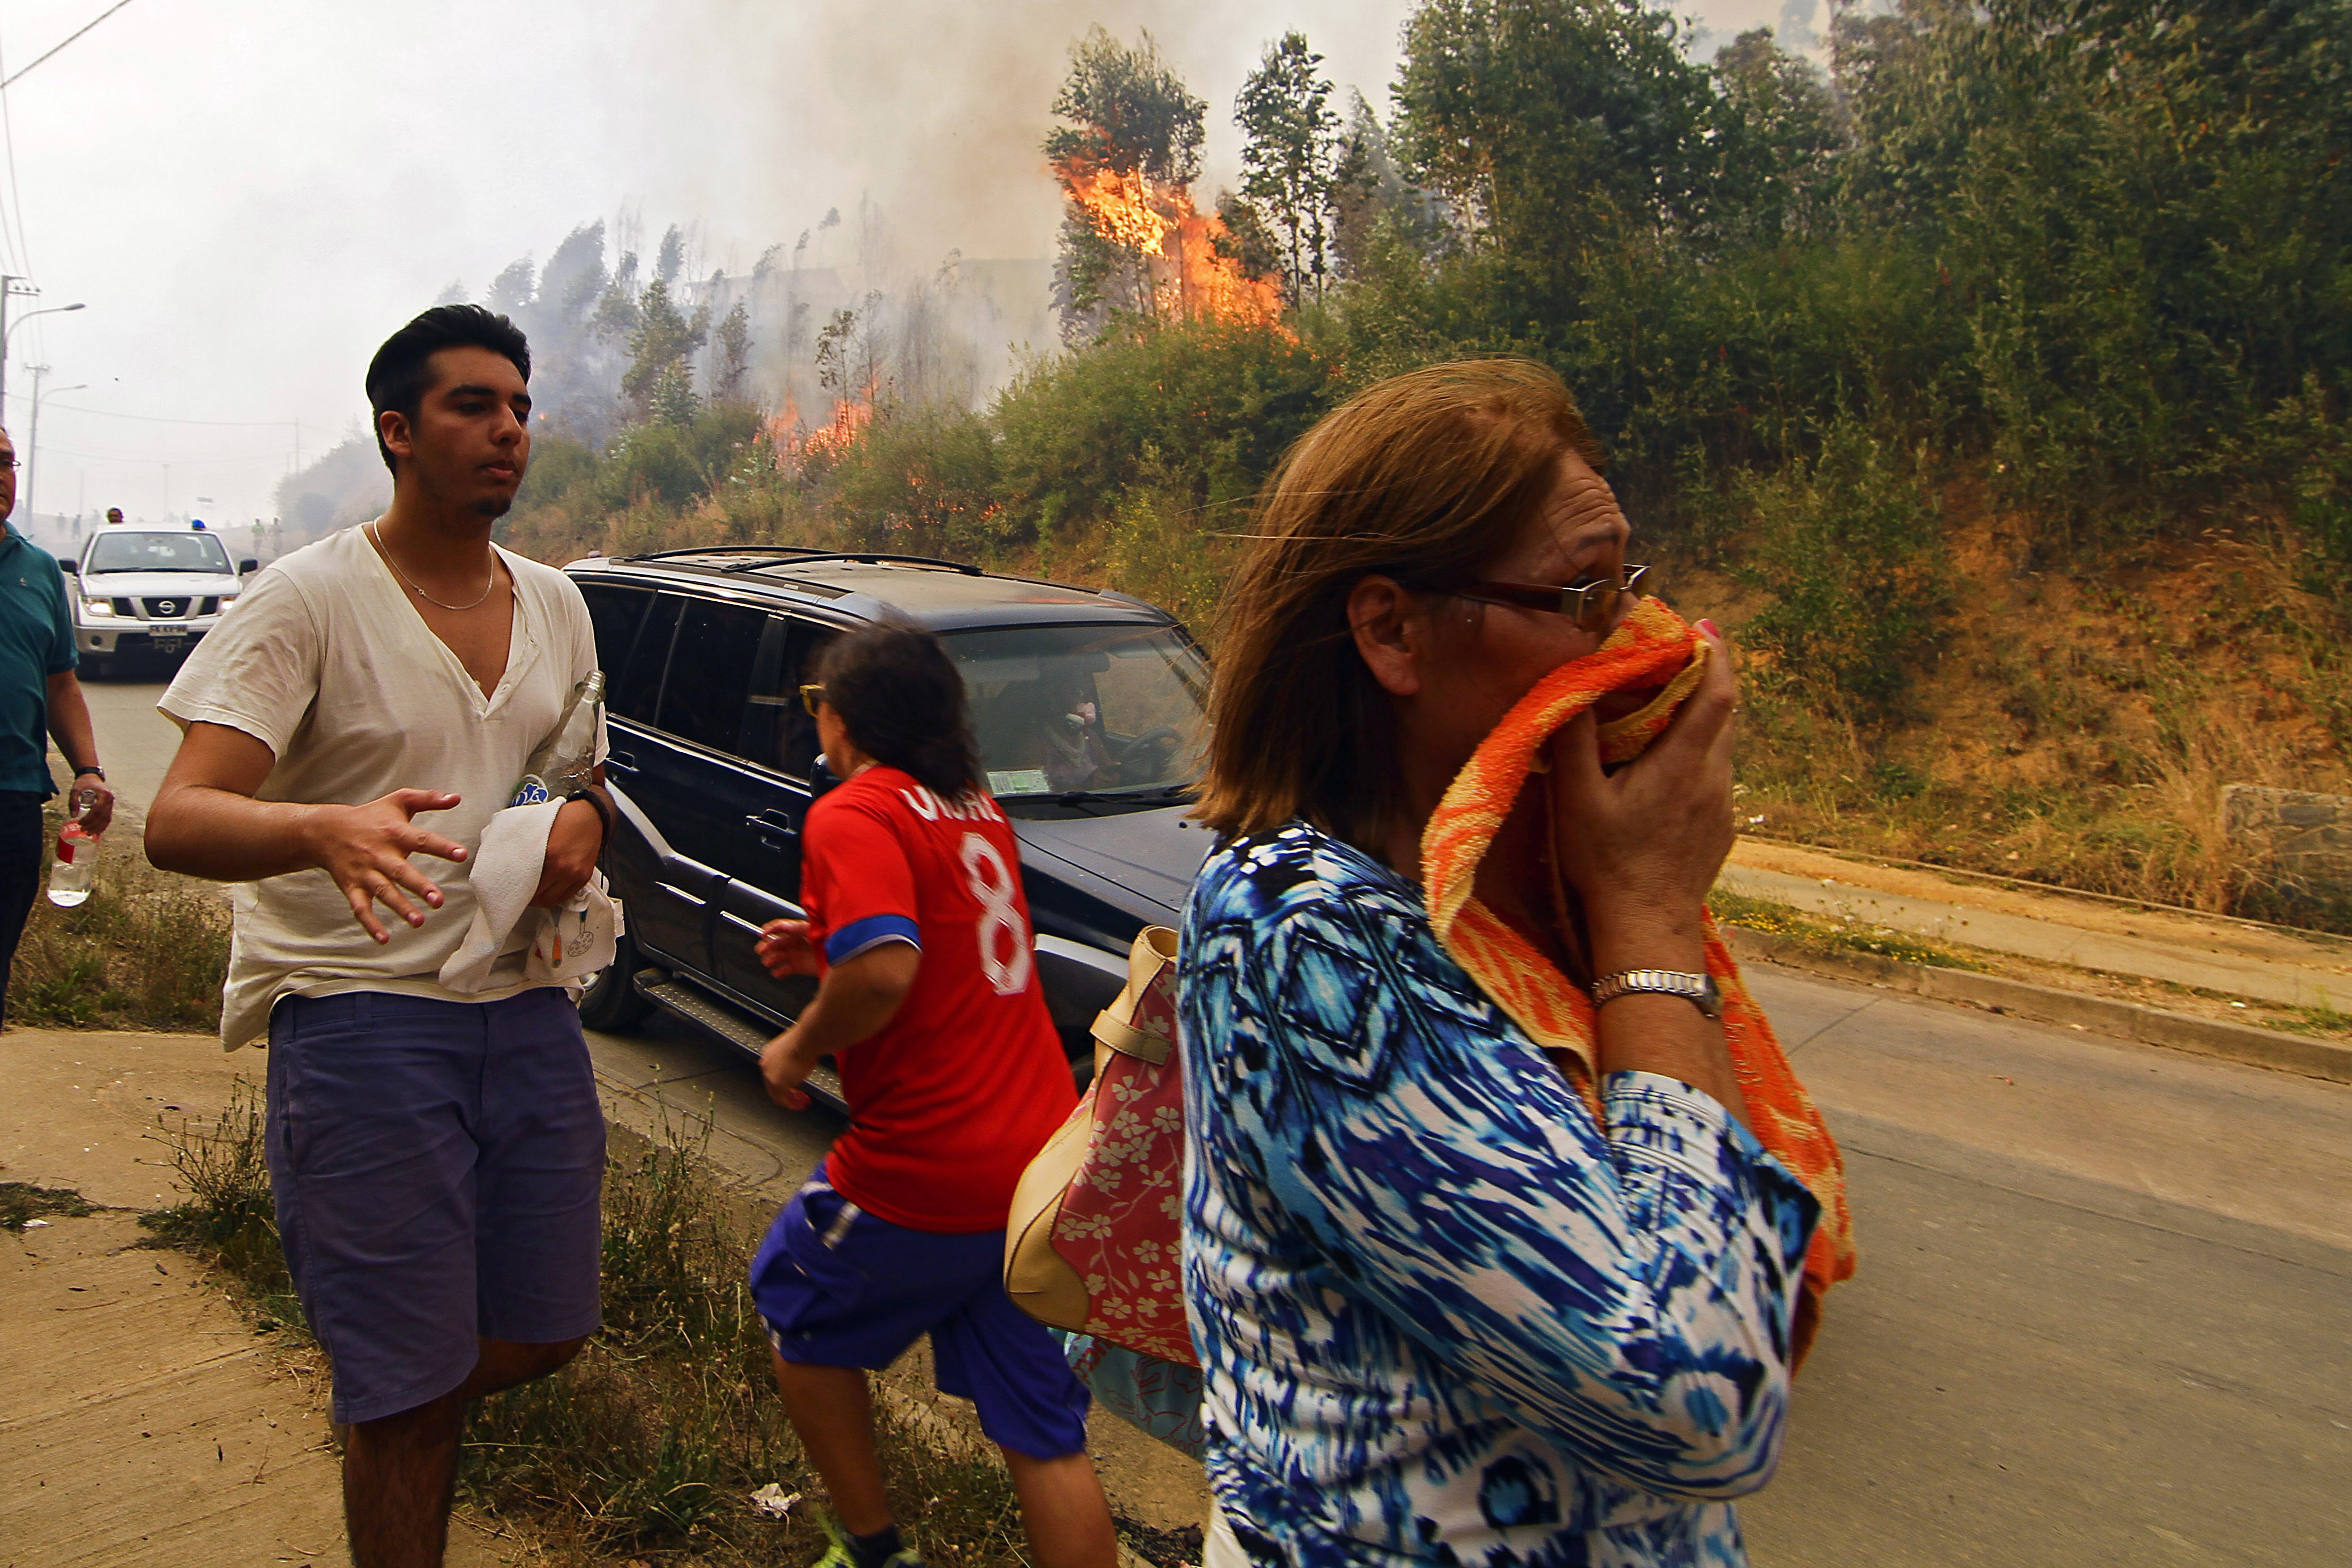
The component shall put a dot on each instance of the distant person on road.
(1454, 1300)
(436, 1159)
(929, 1004)
(40, 697)
(113, 515)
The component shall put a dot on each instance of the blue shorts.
(437, 1168)
(840, 1287)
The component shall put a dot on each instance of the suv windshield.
(1096, 707)
(156, 553)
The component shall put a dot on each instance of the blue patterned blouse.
(1444, 1317)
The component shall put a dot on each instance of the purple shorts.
(437, 1168)
(841, 1288)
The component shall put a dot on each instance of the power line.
(23, 248)
(16, 197)
(163, 419)
(161, 462)
(10, 81)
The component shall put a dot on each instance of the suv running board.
(729, 1024)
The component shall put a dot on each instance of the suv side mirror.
(72, 566)
(820, 779)
(248, 567)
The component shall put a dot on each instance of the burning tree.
(1132, 241)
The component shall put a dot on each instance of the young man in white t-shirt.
(437, 1158)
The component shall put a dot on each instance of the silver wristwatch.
(1696, 989)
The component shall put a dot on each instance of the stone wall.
(2299, 845)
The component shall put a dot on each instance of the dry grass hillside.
(2077, 719)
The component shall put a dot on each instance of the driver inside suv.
(1069, 731)
(1066, 709)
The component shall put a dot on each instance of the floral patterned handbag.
(1093, 1241)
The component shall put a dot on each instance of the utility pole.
(8, 281)
(33, 440)
(32, 444)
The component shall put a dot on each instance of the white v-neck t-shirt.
(325, 661)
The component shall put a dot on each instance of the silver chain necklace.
(420, 593)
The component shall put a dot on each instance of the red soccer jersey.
(948, 1103)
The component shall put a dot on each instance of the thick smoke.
(888, 186)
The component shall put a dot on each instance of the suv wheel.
(611, 1002)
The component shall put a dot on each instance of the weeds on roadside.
(228, 1217)
(2321, 1021)
(1832, 936)
(21, 1202)
(146, 952)
(656, 1432)
(651, 1441)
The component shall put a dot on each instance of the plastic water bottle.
(565, 760)
(76, 861)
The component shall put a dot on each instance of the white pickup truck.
(144, 589)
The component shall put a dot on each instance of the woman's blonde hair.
(1425, 478)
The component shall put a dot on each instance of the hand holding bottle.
(76, 866)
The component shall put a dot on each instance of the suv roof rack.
(800, 554)
(803, 558)
(724, 550)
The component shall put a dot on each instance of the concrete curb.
(2093, 1014)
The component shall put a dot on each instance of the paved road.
(134, 741)
(2101, 1313)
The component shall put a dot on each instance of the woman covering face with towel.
(1483, 1260)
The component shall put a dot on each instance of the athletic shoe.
(839, 1555)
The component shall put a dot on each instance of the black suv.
(1090, 710)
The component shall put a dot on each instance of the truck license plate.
(167, 633)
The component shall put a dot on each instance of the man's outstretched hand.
(785, 949)
(365, 849)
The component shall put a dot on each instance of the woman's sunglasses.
(1589, 603)
(811, 695)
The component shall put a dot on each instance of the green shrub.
(919, 483)
(1846, 545)
(1206, 406)
(561, 467)
(1163, 550)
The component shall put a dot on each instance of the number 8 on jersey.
(1003, 934)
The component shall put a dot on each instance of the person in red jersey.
(930, 1004)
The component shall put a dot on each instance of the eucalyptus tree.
(1291, 153)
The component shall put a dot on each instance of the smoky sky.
(248, 197)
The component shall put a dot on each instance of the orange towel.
(1653, 646)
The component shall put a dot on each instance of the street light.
(33, 441)
(7, 329)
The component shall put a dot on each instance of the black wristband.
(93, 768)
(604, 812)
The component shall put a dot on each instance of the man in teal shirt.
(39, 696)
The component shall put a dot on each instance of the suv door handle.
(772, 824)
(621, 762)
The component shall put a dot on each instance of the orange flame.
(794, 442)
(851, 415)
(1177, 244)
